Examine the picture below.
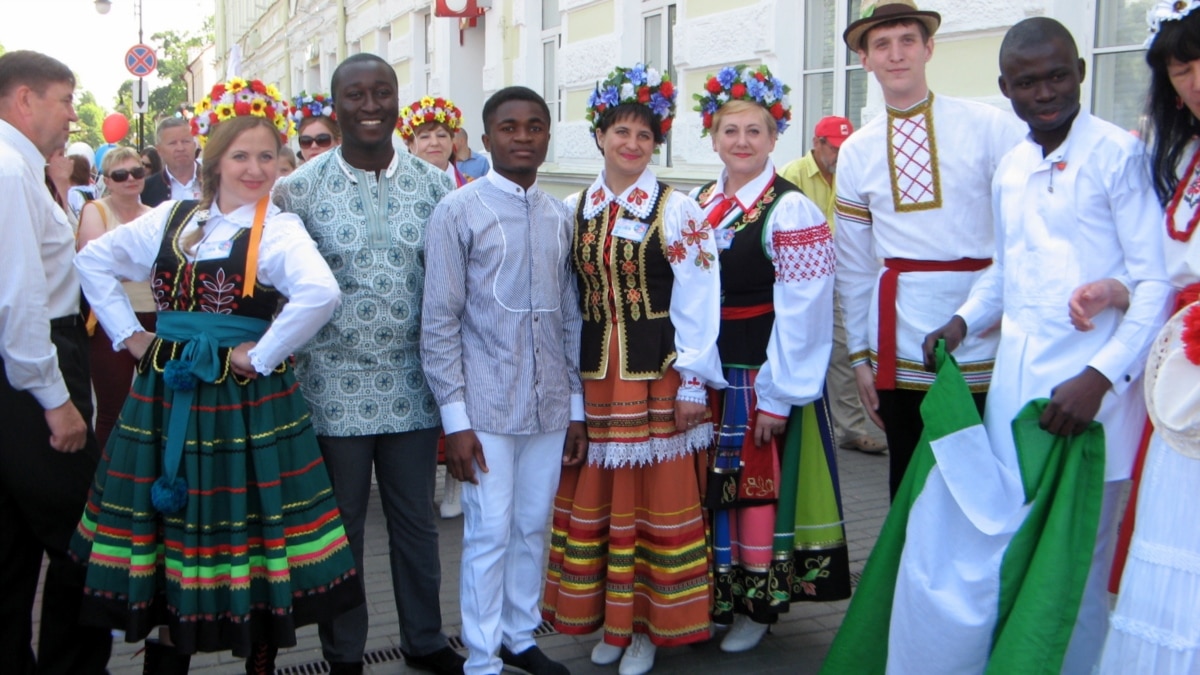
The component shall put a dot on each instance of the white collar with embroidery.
(749, 193)
(350, 171)
(637, 199)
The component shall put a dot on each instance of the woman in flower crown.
(628, 551)
(427, 127)
(1155, 625)
(211, 512)
(776, 513)
(316, 124)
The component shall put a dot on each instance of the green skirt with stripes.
(258, 549)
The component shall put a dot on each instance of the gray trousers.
(405, 465)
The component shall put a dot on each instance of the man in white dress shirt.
(1073, 202)
(48, 454)
(913, 189)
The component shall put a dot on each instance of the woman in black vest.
(776, 515)
(628, 551)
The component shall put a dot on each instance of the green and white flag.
(981, 563)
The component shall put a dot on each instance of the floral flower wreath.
(745, 83)
(427, 111)
(305, 106)
(638, 84)
(236, 98)
(1166, 10)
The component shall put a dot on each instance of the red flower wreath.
(1191, 335)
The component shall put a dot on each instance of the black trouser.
(42, 495)
(900, 410)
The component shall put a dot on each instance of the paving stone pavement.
(796, 645)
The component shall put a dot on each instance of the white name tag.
(724, 238)
(214, 250)
(633, 230)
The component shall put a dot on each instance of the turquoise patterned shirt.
(362, 374)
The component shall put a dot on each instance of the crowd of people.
(637, 393)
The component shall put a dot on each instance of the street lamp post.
(103, 7)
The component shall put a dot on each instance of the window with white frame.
(658, 51)
(1119, 73)
(834, 80)
(382, 37)
(551, 42)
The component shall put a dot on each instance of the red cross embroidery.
(913, 160)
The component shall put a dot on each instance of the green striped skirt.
(259, 548)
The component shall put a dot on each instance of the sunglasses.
(122, 175)
(322, 141)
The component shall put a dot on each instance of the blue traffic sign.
(140, 60)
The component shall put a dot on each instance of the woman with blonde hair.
(772, 477)
(112, 371)
(427, 127)
(212, 512)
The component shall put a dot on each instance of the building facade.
(562, 48)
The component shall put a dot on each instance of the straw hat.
(878, 11)
(1173, 382)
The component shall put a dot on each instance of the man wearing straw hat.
(913, 190)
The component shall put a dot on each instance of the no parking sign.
(140, 60)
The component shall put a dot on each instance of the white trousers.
(1091, 624)
(505, 519)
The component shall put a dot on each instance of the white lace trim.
(619, 455)
(1154, 635)
(1166, 556)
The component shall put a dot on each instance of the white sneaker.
(604, 654)
(744, 636)
(639, 658)
(451, 497)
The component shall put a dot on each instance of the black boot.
(160, 659)
(262, 659)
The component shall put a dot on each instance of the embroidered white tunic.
(916, 184)
(796, 239)
(1100, 220)
(695, 310)
(287, 261)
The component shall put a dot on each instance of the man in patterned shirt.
(366, 207)
(926, 214)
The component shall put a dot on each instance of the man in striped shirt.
(500, 348)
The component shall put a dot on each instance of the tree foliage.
(91, 120)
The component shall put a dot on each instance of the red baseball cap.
(833, 129)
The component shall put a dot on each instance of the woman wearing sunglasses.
(112, 371)
(315, 124)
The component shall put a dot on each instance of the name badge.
(214, 250)
(724, 238)
(633, 230)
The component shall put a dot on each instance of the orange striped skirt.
(628, 549)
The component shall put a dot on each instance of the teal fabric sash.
(202, 336)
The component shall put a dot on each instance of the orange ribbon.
(251, 276)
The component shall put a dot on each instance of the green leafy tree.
(91, 120)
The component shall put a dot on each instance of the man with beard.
(1073, 203)
(366, 207)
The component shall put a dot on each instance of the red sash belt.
(885, 377)
(749, 312)
(1185, 297)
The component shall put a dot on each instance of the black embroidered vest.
(624, 286)
(748, 279)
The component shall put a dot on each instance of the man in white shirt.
(48, 454)
(180, 177)
(913, 189)
(1073, 202)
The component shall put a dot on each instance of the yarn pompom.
(178, 375)
(169, 496)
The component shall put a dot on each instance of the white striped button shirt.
(500, 319)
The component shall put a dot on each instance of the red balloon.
(115, 127)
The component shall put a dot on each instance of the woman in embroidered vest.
(316, 124)
(628, 551)
(112, 371)
(776, 511)
(1155, 625)
(427, 127)
(211, 512)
